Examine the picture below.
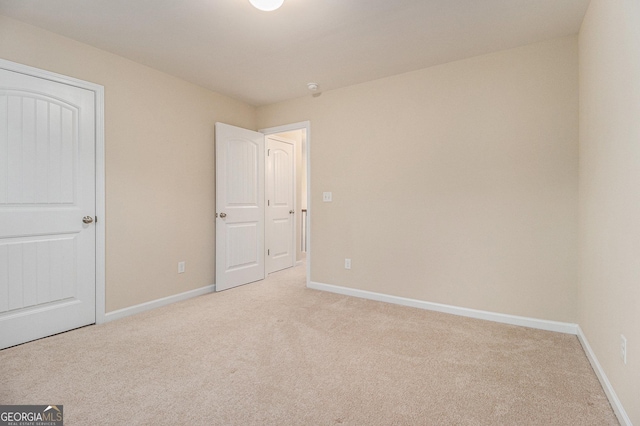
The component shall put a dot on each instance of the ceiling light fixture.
(266, 5)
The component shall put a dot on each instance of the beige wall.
(610, 191)
(159, 144)
(455, 184)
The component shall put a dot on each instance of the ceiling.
(266, 57)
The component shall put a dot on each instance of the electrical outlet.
(326, 197)
(347, 264)
(623, 348)
(181, 267)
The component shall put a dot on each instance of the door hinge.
(268, 203)
(268, 252)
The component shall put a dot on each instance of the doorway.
(301, 134)
(241, 246)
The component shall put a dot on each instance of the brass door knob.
(87, 219)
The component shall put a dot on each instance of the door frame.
(303, 125)
(98, 91)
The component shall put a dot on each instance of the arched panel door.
(47, 207)
(239, 206)
(280, 214)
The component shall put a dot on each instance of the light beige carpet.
(276, 353)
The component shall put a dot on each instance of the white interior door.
(281, 247)
(239, 206)
(47, 187)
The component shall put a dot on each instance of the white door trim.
(100, 169)
(306, 125)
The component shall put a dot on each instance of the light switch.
(326, 197)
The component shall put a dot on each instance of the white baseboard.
(560, 327)
(132, 310)
(623, 418)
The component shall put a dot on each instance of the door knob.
(291, 211)
(223, 215)
(87, 219)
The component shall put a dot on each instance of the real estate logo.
(31, 415)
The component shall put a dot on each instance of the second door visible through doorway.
(281, 203)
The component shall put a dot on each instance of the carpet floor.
(277, 353)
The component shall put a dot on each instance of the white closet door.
(280, 204)
(47, 188)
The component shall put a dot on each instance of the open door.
(240, 222)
